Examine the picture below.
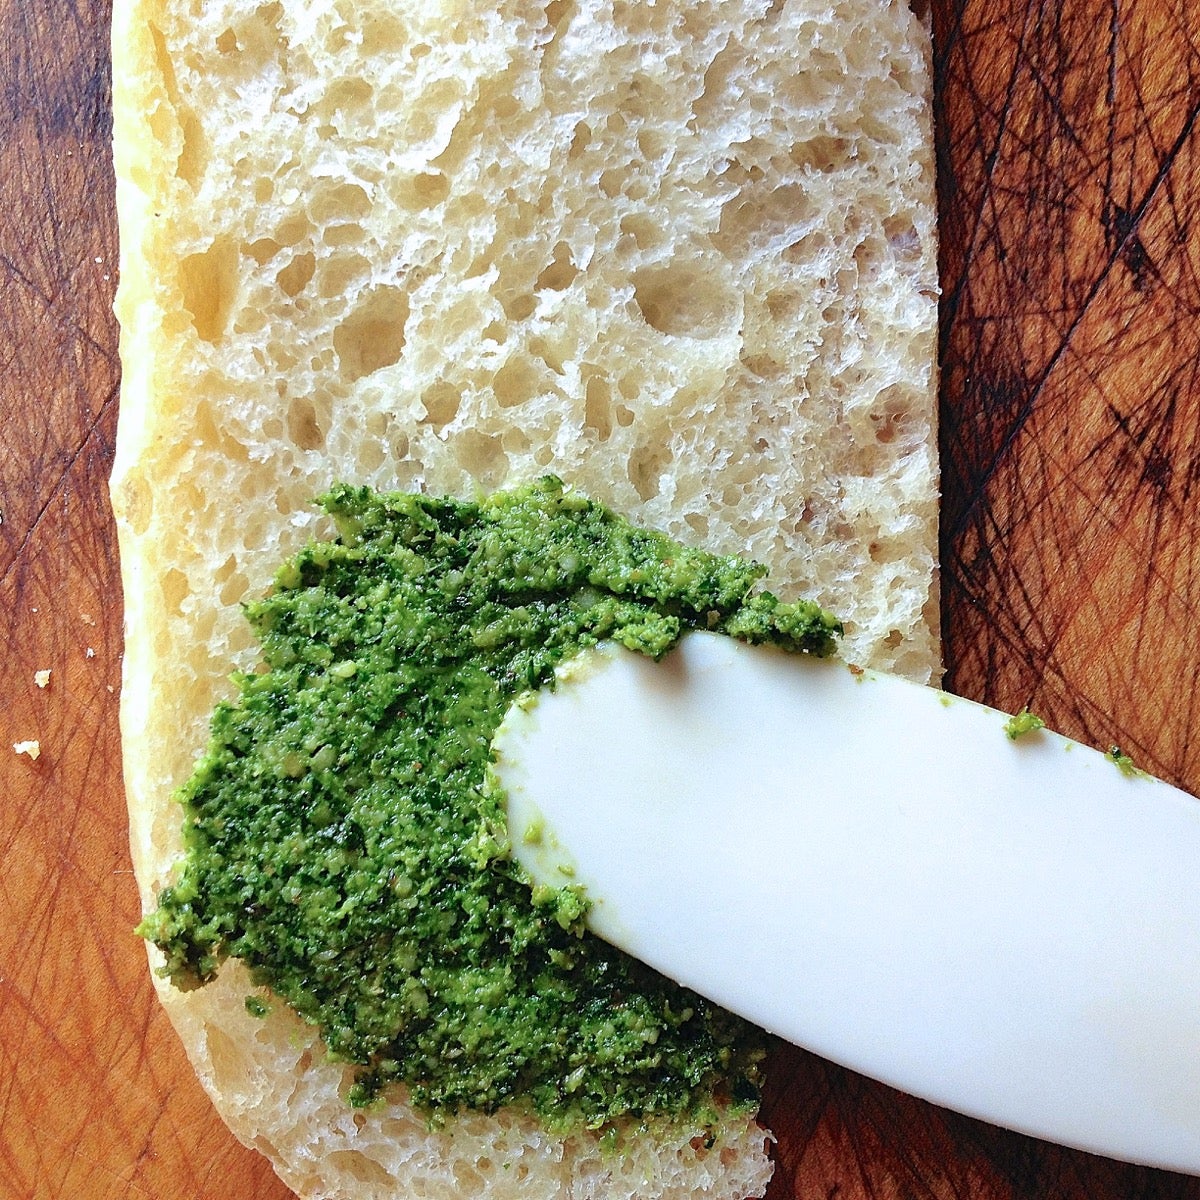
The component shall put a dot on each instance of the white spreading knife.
(873, 870)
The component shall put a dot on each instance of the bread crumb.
(89, 653)
(41, 678)
(87, 619)
(32, 748)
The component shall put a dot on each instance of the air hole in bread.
(482, 457)
(262, 250)
(440, 100)
(807, 250)
(175, 590)
(763, 366)
(417, 192)
(342, 233)
(234, 590)
(890, 414)
(556, 12)
(383, 33)
(823, 154)
(341, 274)
(760, 216)
(551, 351)
(504, 106)
(372, 455)
(175, 124)
(597, 407)
(515, 442)
(361, 1168)
(561, 272)
(304, 429)
(266, 18)
(903, 239)
(441, 401)
(653, 143)
(581, 139)
(345, 96)
(264, 1145)
(785, 305)
(293, 229)
(517, 382)
(338, 202)
(647, 466)
(400, 447)
(226, 1059)
(372, 337)
(295, 277)
(194, 152)
(467, 1180)
(208, 281)
(518, 308)
(686, 300)
(612, 182)
(647, 234)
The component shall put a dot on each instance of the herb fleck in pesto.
(1023, 723)
(256, 1006)
(341, 843)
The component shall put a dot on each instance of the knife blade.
(873, 870)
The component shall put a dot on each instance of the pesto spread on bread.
(342, 843)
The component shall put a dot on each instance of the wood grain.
(1071, 435)
(1069, 198)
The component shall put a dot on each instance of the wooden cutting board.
(1070, 217)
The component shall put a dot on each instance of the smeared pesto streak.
(341, 843)
(1023, 723)
(1125, 764)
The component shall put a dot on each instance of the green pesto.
(1023, 723)
(341, 842)
(1125, 764)
(256, 1006)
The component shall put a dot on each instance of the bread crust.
(681, 255)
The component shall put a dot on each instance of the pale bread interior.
(681, 255)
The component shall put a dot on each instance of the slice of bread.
(681, 255)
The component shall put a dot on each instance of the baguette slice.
(680, 254)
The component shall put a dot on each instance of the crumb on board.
(42, 678)
(32, 748)
(89, 653)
